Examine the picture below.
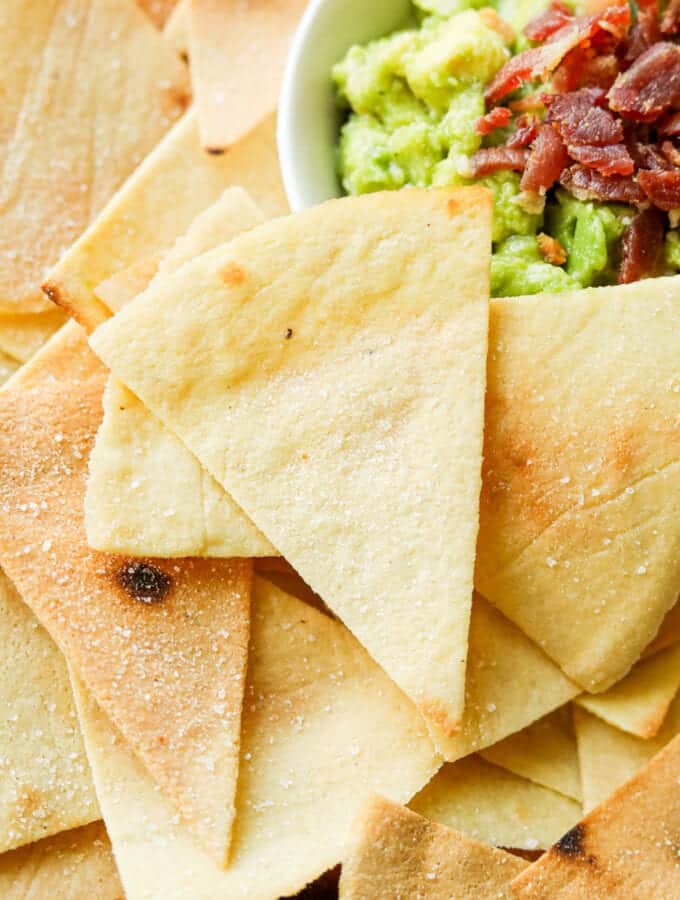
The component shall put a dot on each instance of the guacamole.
(412, 101)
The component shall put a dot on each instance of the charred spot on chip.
(289, 333)
(571, 843)
(215, 151)
(452, 206)
(144, 582)
(233, 275)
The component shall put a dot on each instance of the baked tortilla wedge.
(147, 495)
(668, 633)
(158, 11)
(161, 643)
(328, 370)
(89, 87)
(396, 853)
(23, 334)
(579, 540)
(157, 204)
(320, 720)
(628, 847)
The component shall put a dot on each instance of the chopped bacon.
(526, 129)
(669, 126)
(580, 121)
(661, 188)
(539, 62)
(647, 156)
(496, 118)
(547, 158)
(641, 246)
(584, 68)
(545, 24)
(671, 152)
(611, 160)
(587, 184)
(670, 23)
(496, 159)
(651, 86)
(530, 103)
(551, 250)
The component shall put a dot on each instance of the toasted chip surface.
(45, 782)
(158, 203)
(668, 633)
(322, 371)
(396, 854)
(73, 865)
(22, 334)
(162, 644)
(579, 538)
(157, 10)
(320, 719)
(495, 806)
(628, 847)
(89, 87)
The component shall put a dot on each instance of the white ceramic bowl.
(308, 115)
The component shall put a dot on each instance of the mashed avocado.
(412, 100)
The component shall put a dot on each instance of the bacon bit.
(661, 188)
(582, 68)
(526, 129)
(587, 184)
(641, 246)
(651, 86)
(669, 126)
(547, 158)
(646, 156)
(670, 23)
(551, 250)
(530, 103)
(611, 160)
(671, 152)
(545, 24)
(496, 159)
(579, 121)
(497, 118)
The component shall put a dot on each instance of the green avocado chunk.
(517, 267)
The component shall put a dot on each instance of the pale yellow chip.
(579, 535)
(157, 204)
(159, 11)
(23, 334)
(624, 849)
(238, 52)
(8, 366)
(323, 728)
(608, 757)
(396, 854)
(89, 87)
(73, 865)
(496, 806)
(639, 702)
(545, 752)
(45, 782)
(161, 643)
(328, 369)
(147, 495)
(119, 288)
(510, 683)
(668, 633)
(176, 31)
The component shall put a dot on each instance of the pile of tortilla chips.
(312, 554)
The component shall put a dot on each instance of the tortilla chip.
(125, 284)
(23, 334)
(45, 783)
(304, 422)
(157, 204)
(639, 703)
(176, 31)
(626, 848)
(73, 865)
(162, 644)
(608, 757)
(158, 11)
(89, 87)
(669, 632)
(131, 505)
(397, 854)
(8, 366)
(319, 723)
(579, 535)
(545, 752)
(495, 806)
(510, 683)
(228, 42)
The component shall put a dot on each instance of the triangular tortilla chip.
(608, 757)
(668, 633)
(147, 495)
(495, 806)
(229, 41)
(545, 752)
(89, 87)
(579, 535)
(8, 365)
(639, 702)
(626, 848)
(176, 31)
(396, 854)
(157, 204)
(45, 782)
(73, 865)
(23, 334)
(122, 286)
(509, 684)
(320, 722)
(277, 369)
(162, 644)
(157, 10)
